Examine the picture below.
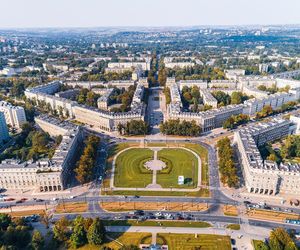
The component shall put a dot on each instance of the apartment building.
(192, 83)
(4, 136)
(103, 101)
(250, 91)
(208, 98)
(181, 65)
(264, 176)
(46, 174)
(14, 115)
(99, 119)
(129, 65)
(276, 100)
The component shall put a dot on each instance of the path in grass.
(129, 168)
(129, 173)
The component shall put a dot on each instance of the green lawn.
(234, 226)
(114, 240)
(130, 171)
(202, 152)
(201, 193)
(202, 241)
(181, 162)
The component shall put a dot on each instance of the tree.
(236, 97)
(37, 241)
(78, 236)
(45, 219)
(85, 166)
(227, 167)
(96, 232)
(60, 229)
(5, 221)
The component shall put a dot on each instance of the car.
(55, 199)
(39, 200)
(232, 241)
(9, 199)
(136, 196)
(19, 201)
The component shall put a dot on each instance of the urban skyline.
(68, 13)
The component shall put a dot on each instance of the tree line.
(31, 144)
(17, 234)
(184, 128)
(268, 110)
(133, 127)
(236, 120)
(279, 239)
(86, 164)
(224, 99)
(227, 167)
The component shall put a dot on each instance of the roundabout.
(156, 168)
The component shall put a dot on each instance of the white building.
(14, 115)
(48, 174)
(4, 136)
(263, 176)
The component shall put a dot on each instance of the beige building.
(263, 176)
(47, 174)
(14, 115)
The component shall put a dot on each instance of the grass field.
(25, 213)
(234, 226)
(116, 240)
(71, 207)
(201, 193)
(128, 168)
(230, 210)
(190, 242)
(202, 152)
(183, 163)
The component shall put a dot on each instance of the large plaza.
(156, 168)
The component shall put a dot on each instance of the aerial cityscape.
(123, 133)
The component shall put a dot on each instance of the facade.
(263, 176)
(208, 98)
(181, 65)
(129, 65)
(276, 100)
(103, 101)
(191, 83)
(99, 119)
(4, 136)
(48, 174)
(250, 91)
(14, 115)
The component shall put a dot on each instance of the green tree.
(60, 230)
(96, 232)
(37, 241)
(5, 221)
(78, 236)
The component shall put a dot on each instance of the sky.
(99, 13)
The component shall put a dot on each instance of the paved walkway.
(155, 165)
(112, 186)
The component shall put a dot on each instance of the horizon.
(131, 13)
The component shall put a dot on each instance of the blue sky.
(96, 13)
